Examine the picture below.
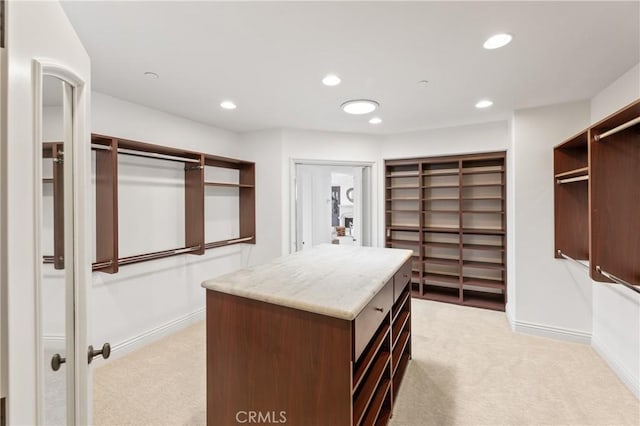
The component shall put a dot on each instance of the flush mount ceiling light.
(331, 80)
(359, 106)
(423, 83)
(497, 41)
(485, 103)
(228, 105)
(375, 120)
(151, 75)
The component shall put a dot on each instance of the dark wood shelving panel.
(614, 197)
(462, 203)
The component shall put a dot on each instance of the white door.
(47, 302)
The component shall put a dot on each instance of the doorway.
(331, 204)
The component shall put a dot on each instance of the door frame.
(79, 169)
(372, 226)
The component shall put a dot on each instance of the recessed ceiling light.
(497, 41)
(359, 106)
(228, 105)
(331, 80)
(423, 83)
(375, 120)
(485, 103)
(151, 75)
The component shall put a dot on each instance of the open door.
(46, 196)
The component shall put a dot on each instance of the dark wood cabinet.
(309, 368)
(451, 211)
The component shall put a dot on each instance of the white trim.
(633, 383)
(558, 333)
(510, 321)
(136, 342)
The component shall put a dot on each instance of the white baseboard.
(633, 383)
(557, 333)
(510, 320)
(150, 336)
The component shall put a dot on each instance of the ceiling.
(270, 57)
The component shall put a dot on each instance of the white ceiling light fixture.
(485, 103)
(331, 80)
(228, 105)
(151, 75)
(359, 106)
(497, 41)
(375, 120)
(423, 83)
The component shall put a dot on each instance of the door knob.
(105, 352)
(57, 361)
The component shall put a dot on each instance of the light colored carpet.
(468, 368)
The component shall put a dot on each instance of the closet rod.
(617, 129)
(100, 265)
(573, 179)
(618, 280)
(227, 242)
(133, 152)
(571, 258)
(156, 255)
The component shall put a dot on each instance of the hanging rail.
(156, 255)
(618, 280)
(573, 179)
(572, 259)
(227, 242)
(617, 129)
(134, 153)
(100, 265)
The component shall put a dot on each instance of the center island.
(319, 337)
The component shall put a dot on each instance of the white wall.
(552, 295)
(35, 29)
(145, 300)
(616, 309)
(265, 149)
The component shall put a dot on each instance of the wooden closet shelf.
(483, 211)
(447, 173)
(582, 171)
(371, 352)
(404, 175)
(403, 199)
(439, 186)
(403, 228)
(441, 230)
(441, 245)
(376, 407)
(365, 394)
(487, 231)
(481, 172)
(482, 265)
(487, 247)
(482, 198)
(482, 282)
(442, 261)
(435, 279)
(482, 185)
(403, 187)
(440, 211)
(483, 300)
(403, 211)
(442, 294)
(399, 349)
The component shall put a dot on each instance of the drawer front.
(372, 315)
(401, 278)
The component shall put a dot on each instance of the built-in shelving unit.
(597, 198)
(451, 211)
(107, 149)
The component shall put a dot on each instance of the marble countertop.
(332, 280)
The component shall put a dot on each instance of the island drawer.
(401, 278)
(370, 318)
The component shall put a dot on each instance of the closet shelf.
(482, 185)
(442, 261)
(487, 231)
(441, 245)
(482, 265)
(403, 175)
(444, 173)
(436, 279)
(441, 229)
(487, 247)
(582, 171)
(481, 282)
(481, 172)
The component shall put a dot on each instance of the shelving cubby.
(461, 230)
(571, 195)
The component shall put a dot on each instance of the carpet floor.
(468, 368)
